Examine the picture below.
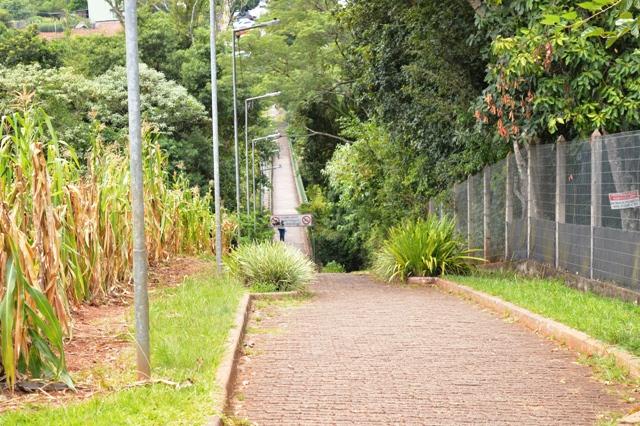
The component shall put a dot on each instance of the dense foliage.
(26, 47)
(424, 93)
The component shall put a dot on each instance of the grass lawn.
(609, 320)
(189, 326)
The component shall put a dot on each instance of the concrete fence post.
(469, 212)
(529, 197)
(508, 207)
(486, 208)
(432, 208)
(561, 191)
(596, 193)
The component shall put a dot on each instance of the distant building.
(103, 22)
(100, 11)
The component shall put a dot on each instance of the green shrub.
(255, 229)
(274, 263)
(428, 248)
(333, 266)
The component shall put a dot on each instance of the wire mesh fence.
(496, 193)
(575, 206)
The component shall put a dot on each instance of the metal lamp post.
(140, 271)
(246, 137)
(236, 34)
(215, 133)
(253, 160)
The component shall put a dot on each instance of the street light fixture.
(246, 136)
(236, 34)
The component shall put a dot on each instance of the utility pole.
(234, 39)
(235, 121)
(216, 141)
(140, 259)
(246, 137)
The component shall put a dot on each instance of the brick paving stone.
(364, 353)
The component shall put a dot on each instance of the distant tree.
(75, 100)
(18, 9)
(93, 55)
(5, 17)
(26, 47)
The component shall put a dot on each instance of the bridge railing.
(302, 194)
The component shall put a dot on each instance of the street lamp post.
(215, 134)
(140, 271)
(246, 137)
(253, 160)
(236, 34)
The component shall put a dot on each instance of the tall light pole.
(236, 34)
(246, 137)
(214, 129)
(140, 272)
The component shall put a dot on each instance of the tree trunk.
(624, 180)
(477, 7)
(115, 8)
(226, 17)
(521, 191)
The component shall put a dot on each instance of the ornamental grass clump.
(271, 263)
(425, 248)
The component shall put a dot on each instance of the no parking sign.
(292, 220)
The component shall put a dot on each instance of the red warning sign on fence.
(624, 200)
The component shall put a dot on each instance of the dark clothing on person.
(282, 231)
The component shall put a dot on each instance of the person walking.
(281, 229)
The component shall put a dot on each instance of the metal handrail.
(302, 194)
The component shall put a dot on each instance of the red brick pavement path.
(364, 353)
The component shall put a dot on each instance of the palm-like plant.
(425, 248)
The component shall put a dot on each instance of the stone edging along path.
(572, 338)
(225, 374)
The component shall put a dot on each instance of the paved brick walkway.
(285, 196)
(363, 353)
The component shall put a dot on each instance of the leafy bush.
(271, 262)
(428, 247)
(255, 228)
(333, 266)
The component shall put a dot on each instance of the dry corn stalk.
(65, 233)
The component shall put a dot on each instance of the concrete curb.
(225, 375)
(422, 280)
(573, 339)
(226, 369)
